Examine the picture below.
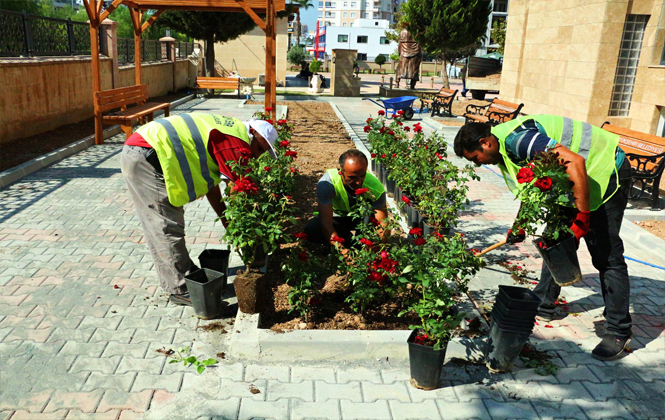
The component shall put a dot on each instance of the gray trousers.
(163, 224)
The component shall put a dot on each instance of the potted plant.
(257, 211)
(545, 191)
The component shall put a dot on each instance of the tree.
(380, 60)
(453, 56)
(297, 55)
(443, 25)
(210, 27)
(394, 56)
(304, 4)
(498, 35)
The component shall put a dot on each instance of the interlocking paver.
(106, 365)
(396, 391)
(573, 390)
(280, 390)
(85, 401)
(354, 410)
(251, 409)
(324, 391)
(604, 409)
(358, 374)
(26, 415)
(254, 372)
(114, 399)
(299, 373)
(170, 382)
(97, 380)
(579, 373)
(616, 389)
(136, 350)
(422, 410)
(79, 415)
(244, 390)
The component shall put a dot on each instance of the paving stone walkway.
(82, 318)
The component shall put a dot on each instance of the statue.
(410, 56)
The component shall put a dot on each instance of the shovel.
(492, 247)
(485, 251)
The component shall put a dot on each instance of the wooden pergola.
(138, 8)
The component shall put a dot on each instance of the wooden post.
(269, 79)
(431, 83)
(383, 79)
(391, 83)
(137, 58)
(273, 59)
(96, 80)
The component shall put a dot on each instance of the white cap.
(266, 130)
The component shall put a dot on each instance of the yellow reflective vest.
(341, 201)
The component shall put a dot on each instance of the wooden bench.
(442, 100)
(379, 71)
(646, 154)
(121, 99)
(218, 83)
(496, 112)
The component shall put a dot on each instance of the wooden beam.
(273, 60)
(259, 22)
(109, 10)
(90, 10)
(100, 3)
(151, 20)
(201, 5)
(96, 82)
(267, 96)
(136, 16)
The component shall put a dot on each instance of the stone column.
(342, 82)
(109, 29)
(169, 43)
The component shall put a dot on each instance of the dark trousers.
(344, 226)
(606, 249)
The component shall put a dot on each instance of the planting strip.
(249, 341)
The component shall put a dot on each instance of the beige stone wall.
(561, 58)
(38, 95)
(247, 53)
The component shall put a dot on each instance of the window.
(384, 41)
(353, 14)
(342, 38)
(501, 6)
(344, 24)
(354, 4)
(320, 4)
(351, 24)
(330, 4)
(629, 57)
(344, 14)
(362, 56)
(362, 39)
(330, 14)
(346, 4)
(376, 23)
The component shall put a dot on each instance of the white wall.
(372, 48)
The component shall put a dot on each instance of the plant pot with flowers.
(257, 211)
(546, 194)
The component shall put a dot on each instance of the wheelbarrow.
(402, 103)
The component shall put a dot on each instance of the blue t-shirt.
(530, 138)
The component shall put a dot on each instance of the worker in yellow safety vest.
(173, 161)
(336, 195)
(600, 174)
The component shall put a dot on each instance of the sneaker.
(611, 348)
(181, 299)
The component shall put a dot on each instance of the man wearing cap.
(172, 161)
(600, 174)
(336, 195)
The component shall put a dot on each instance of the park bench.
(218, 83)
(379, 71)
(496, 112)
(442, 100)
(122, 99)
(646, 153)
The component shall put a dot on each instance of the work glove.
(580, 226)
(515, 237)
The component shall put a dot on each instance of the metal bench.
(442, 100)
(218, 83)
(496, 112)
(646, 154)
(122, 100)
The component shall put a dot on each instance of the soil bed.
(319, 138)
(656, 227)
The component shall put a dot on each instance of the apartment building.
(368, 36)
(499, 13)
(344, 13)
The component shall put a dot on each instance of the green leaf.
(407, 269)
(200, 369)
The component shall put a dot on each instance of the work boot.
(182, 299)
(611, 348)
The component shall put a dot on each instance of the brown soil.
(250, 287)
(22, 150)
(657, 227)
(319, 138)
(459, 108)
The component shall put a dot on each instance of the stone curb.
(250, 341)
(16, 173)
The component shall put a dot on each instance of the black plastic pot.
(206, 288)
(425, 363)
(503, 346)
(429, 229)
(562, 261)
(215, 259)
(412, 216)
(514, 323)
(390, 184)
(521, 298)
(517, 314)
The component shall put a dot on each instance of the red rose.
(293, 170)
(268, 120)
(369, 120)
(373, 155)
(438, 155)
(367, 129)
(400, 112)
(303, 256)
(406, 200)
(391, 132)
(382, 113)
(245, 185)
(284, 143)
(267, 169)
(281, 122)
(301, 236)
(375, 276)
(417, 128)
(361, 191)
(416, 231)
(437, 234)
(475, 251)
(407, 128)
(394, 155)
(543, 184)
(366, 242)
(420, 241)
(337, 239)
(383, 155)
(374, 221)
(291, 153)
(524, 175)
(268, 109)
